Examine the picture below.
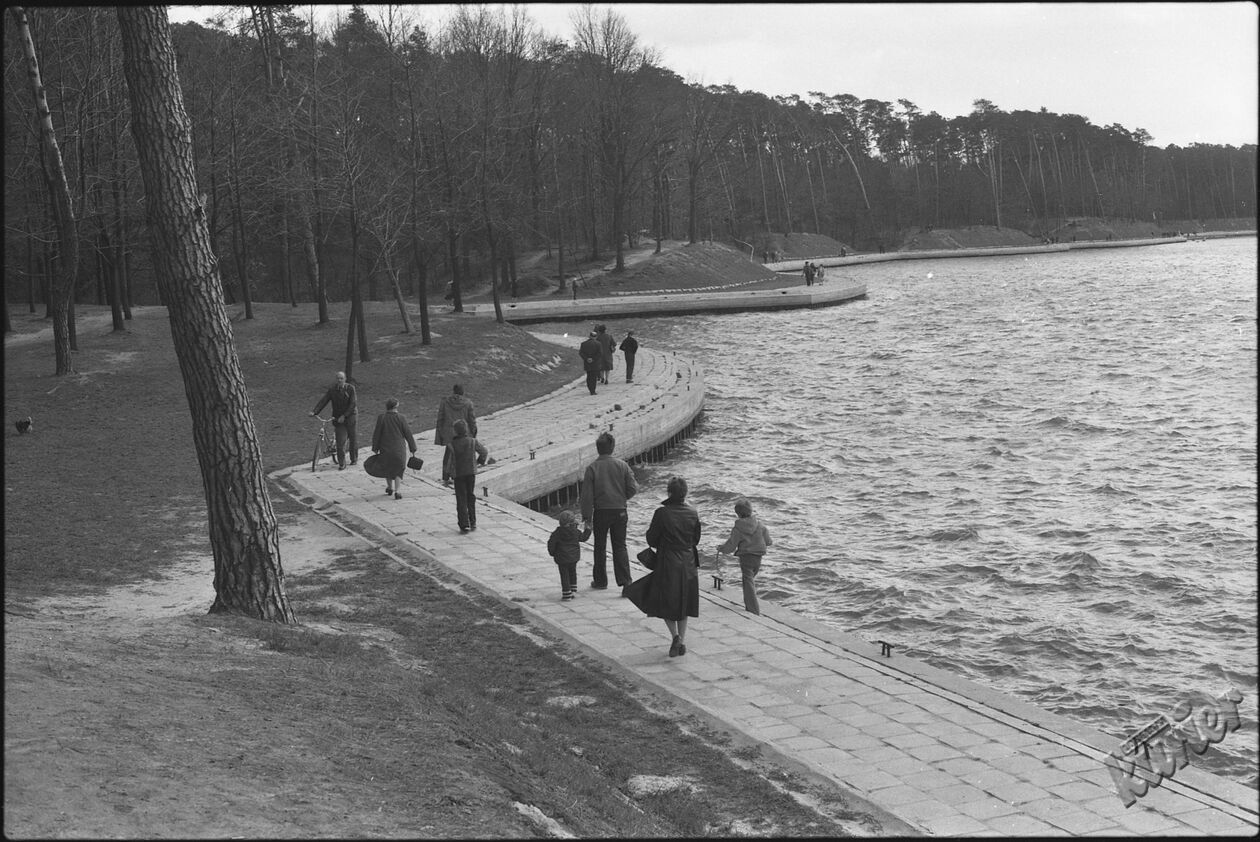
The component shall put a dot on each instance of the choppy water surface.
(1038, 472)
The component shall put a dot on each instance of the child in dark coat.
(565, 546)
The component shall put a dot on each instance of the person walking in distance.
(454, 407)
(392, 439)
(809, 274)
(565, 546)
(748, 541)
(345, 415)
(606, 346)
(465, 454)
(606, 486)
(592, 360)
(629, 347)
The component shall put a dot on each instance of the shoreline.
(978, 251)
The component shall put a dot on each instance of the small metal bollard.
(885, 648)
(485, 491)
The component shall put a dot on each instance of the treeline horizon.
(370, 156)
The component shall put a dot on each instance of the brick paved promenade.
(941, 753)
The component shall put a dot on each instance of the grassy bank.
(404, 705)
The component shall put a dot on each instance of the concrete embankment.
(936, 254)
(1219, 235)
(930, 752)
(673, 304)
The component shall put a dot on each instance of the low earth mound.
(682, 267)
(678, 266)
(1076, 229)
(973, 236)
(800, 246)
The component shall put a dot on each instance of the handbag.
(647, 557)
(415, 462)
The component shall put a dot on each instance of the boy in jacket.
(565, 546)
(465, 453)
(748, 541)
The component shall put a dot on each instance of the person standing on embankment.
(629, 347)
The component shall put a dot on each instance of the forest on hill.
(371, 157)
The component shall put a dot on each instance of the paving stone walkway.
(941, 753)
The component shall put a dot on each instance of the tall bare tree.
(248, 576)
(61, 295)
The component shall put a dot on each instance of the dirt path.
(30, 328)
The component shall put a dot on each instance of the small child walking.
(565, 546)
(748, 541)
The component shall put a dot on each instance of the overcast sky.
(1185, 72)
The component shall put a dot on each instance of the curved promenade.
(929, 751)
(672, 304)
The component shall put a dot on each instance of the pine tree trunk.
(61, 287)
(248, 577)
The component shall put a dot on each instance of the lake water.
(1038, 472)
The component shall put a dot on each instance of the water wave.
(1052, 492)
(964, 533)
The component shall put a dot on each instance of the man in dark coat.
(345, 410)
(629, 347)
(592, 360)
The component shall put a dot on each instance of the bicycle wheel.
(315, 458)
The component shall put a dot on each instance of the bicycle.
(325, 445)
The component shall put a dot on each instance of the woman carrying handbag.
(672, 590)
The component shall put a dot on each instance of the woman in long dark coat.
(673, 589)
(391, 439)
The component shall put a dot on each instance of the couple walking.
(456, 428)
(672, 591)
(391, 438)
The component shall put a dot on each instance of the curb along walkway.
(945, 755)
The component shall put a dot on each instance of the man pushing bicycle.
(345, 415)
